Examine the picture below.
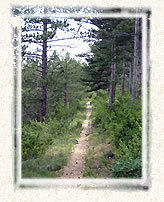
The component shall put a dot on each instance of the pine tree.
(111, 52)
(40, 31)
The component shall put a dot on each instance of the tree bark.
(113, 86)
(113, 82)
(139, 60)
(130, 78)
(43, 109)
(109, 89)
(123, 80)
(136, 56)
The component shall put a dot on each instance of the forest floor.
(76, 163)
(81, 152)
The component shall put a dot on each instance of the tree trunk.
(109, 89)
(136, 50)
(123, 80)
(113, 86)
(44, 71)
(113, 79)
(139, 60)
(130, 78)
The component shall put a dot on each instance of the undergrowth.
(97, 159)
(47, 146)
(122, 127)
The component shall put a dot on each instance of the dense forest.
(55, 90)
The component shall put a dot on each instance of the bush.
(47, 166)
(100, 109)
(130, 168)
(123, 125)
(37, 136)
(35, 139)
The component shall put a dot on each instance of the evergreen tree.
(111, 55)
(40, 31)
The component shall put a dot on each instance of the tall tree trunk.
(139, 59)
(136, 50)
(109, 88)
(123, 79)
(113, 79)
(130, 78)
(113, 86)
(44, 70)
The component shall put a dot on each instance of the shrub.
(130, 168)
(44, 166)
(37, 136)
(35, 139)
(123, 125)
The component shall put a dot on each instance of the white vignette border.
(145, 181)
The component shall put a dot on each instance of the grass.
(97, 160)
(50, 164)
(47, 166)
(123, 128)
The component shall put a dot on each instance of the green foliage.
(123, 125)
(100, 109)
(106, 48)
(35, 139)
(130, 168)
(30, 91)
(89, 173)
(63, 82)
(125, 120)
(97, 161)
(47, 166)
(46, 146)
(114, 39)
(37, 136)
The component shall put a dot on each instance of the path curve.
(76, 164)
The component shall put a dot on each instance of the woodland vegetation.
(55, 90)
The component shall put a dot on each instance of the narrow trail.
(76, 164)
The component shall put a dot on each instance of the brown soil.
(76, 164)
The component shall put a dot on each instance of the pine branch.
(117, 35)
(67, 38)
(39, 70)
(69, 46)
(33, 54)
(102, 86)
(32, 30)
(32, 41)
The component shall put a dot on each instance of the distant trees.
(116, 57)
(137, 71)
(63, 85)
(52, 76)
(39, 31)
(114, 60)
(31, 94)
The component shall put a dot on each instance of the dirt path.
(75, 166)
